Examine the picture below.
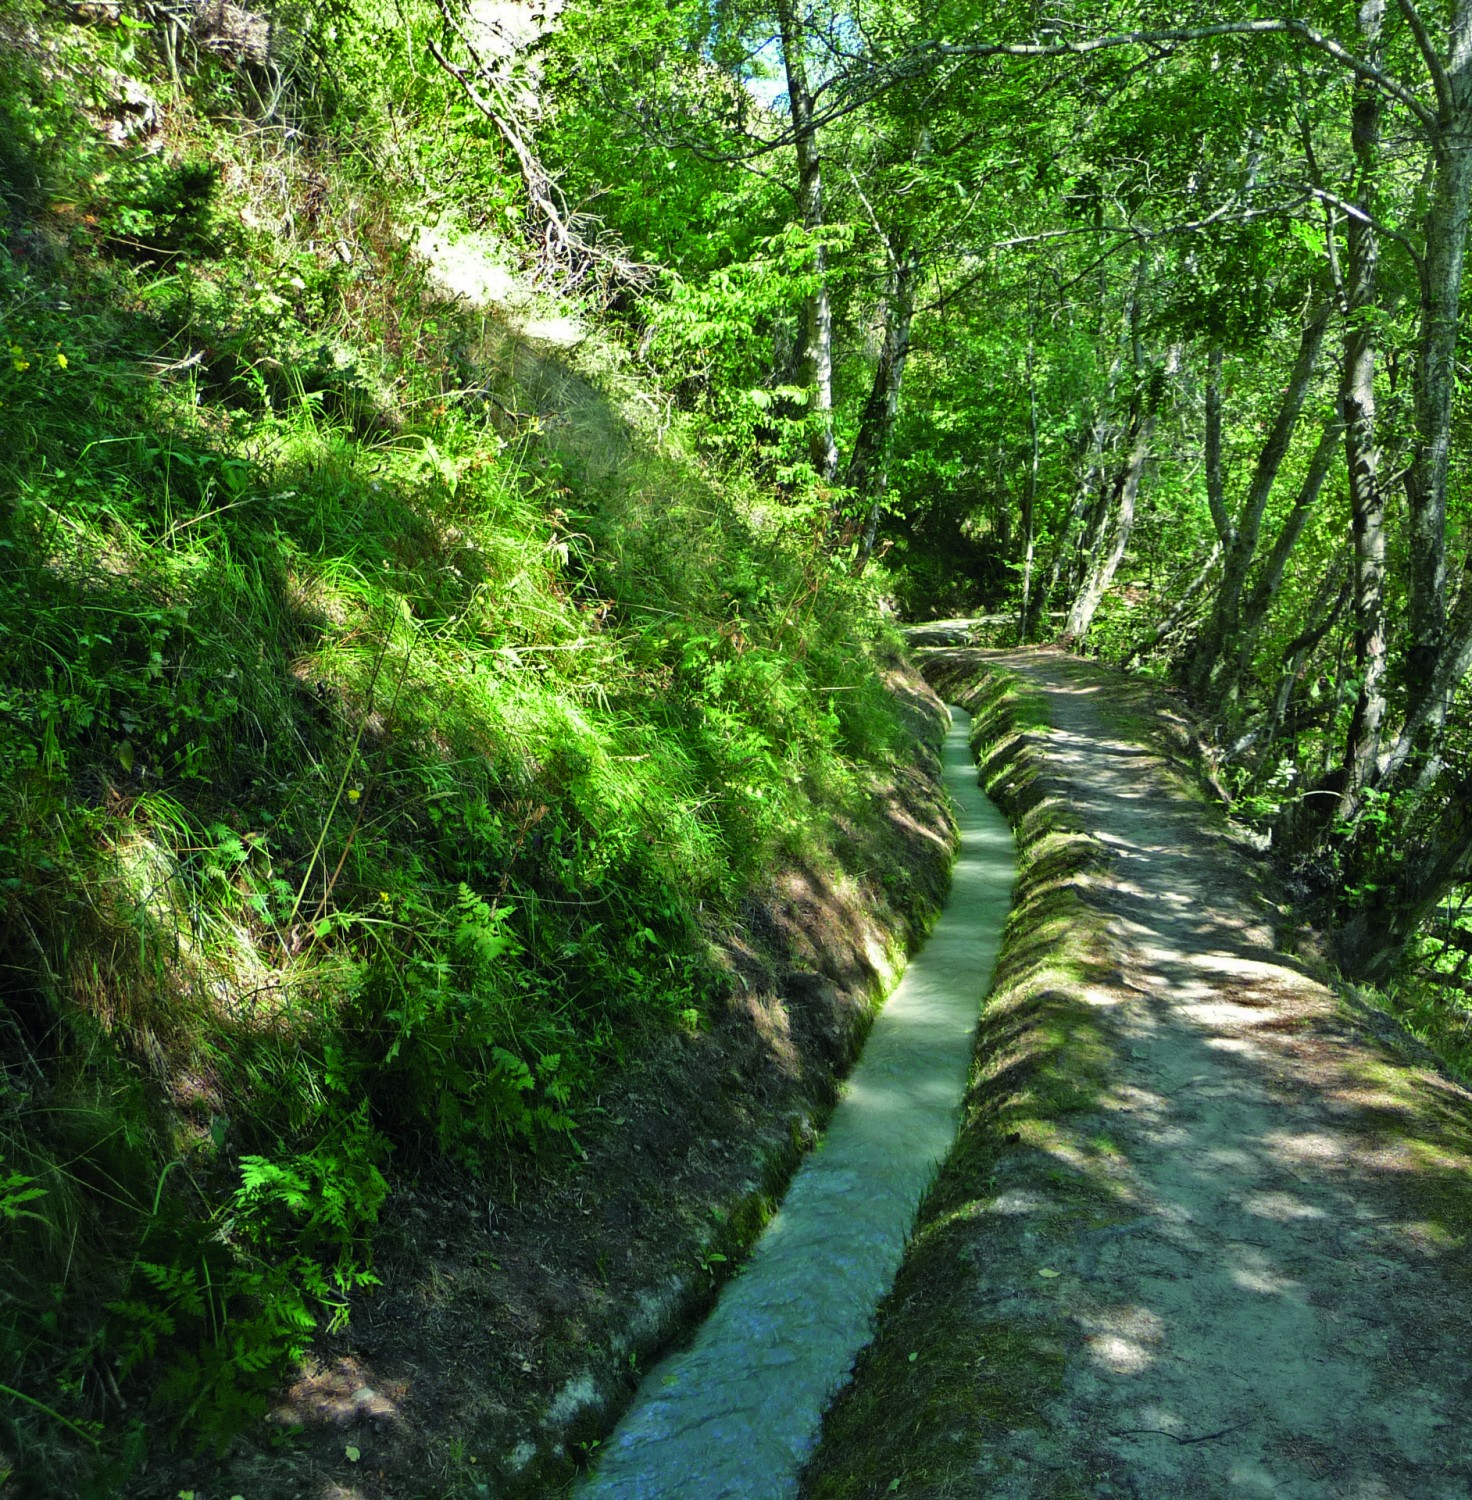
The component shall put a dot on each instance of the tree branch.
(1282, 26)
(561, 246)
(1354, 211)
(1121, 233)
(851, 94)
(1439, 80)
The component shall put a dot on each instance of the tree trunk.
(1433, 839)
(1117, 500)
(817, 348)
(1071, 547)
(1435, 383)
(1216, 501)
(1439, 654)
(1218, 644)
(1434, 386)
(867, 474)
(1029, 500)
(1067, 545)
(1366, 499)
(1322, 619)
(1106, 559)
(1184, 599)
(1435, 856)
(1270, 580)
(1426, 721)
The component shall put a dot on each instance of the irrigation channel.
(735, 1415)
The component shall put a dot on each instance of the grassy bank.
(397, 738)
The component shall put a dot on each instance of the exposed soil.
(1206, 1232)
(512, 1323)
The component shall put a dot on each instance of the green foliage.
(376, 767)
(616, 67)
(714, 337)
(16, 1190)
(229, 1302)
(160, 208)
(43, 139)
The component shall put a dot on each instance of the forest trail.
(1280, 1304)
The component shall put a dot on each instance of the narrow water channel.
(734, 1416)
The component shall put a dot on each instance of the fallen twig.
(1205, 1437)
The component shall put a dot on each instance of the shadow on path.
(1254, 1236)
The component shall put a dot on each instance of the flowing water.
(734, 1416)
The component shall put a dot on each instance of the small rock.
(128, 113)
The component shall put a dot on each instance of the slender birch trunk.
(1093, 488)
(1115, 513)
(1029, 498)
(868, 467)
(1265, 590)
(817, 352)
(1216, 500)
(1218, 645)
(1447, 216)
(1439, 651)
(1067, 545)
(1185, 598)
(1362, 454)
(1106, 561)
(1322, 619)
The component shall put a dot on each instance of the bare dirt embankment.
(1206, 1231)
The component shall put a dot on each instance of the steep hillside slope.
(405, 749)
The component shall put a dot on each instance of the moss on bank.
(948, 1370)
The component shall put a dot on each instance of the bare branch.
(1333, 200)
(561, 248)
(883, 238)
(1121, 235)
(849, 94)
(1223, 215)
(1282, 26)
(1215, 486)
(1185, 597)
(1331, 245)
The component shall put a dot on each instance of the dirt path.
(1281, 1316)
(1205, 1235)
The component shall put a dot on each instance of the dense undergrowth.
(379, 766)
